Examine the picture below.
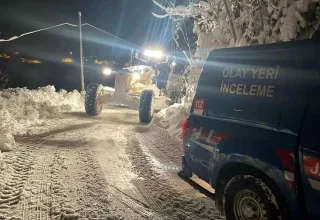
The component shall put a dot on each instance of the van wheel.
(249, 198)
(93, 99)
(146, 107)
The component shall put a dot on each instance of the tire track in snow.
(49, 195)
(158, 190)
(12, 190)
(32, 192)
(131, 203)
(116, 168)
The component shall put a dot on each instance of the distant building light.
(30, 61)
(67, 60)
(5, 56)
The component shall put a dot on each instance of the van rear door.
(234, 87)
(309, 158)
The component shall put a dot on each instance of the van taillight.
(185, 133)
(183, 125)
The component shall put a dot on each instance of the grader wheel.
(93, 99)
(146, 107)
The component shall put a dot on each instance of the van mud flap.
(197, 186)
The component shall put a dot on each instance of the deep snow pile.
(21, 108)
(172, 117)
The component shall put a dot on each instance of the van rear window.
(239, 89)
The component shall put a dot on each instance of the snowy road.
(106, 167)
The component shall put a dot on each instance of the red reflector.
(287, 159)
(217, 137)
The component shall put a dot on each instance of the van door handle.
(237, 110)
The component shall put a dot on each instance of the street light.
(173, 63)
(153, 53)
(107, 71)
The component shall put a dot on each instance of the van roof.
(291, 45)
(295, 54)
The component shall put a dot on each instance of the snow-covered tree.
(229, 23)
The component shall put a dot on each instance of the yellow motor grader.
(133, 88)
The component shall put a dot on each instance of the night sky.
(129, 19)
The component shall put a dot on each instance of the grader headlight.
(136, 76)
(107, 71)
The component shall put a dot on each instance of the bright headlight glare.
(107, 71)
(153, 53)
(136, 76)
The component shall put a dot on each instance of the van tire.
(256, 195)
(146, 106)
(93, 102)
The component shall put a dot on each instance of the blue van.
(253, 132)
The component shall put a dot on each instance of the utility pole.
(131, 57)
(81, 53)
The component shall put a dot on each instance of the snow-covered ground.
(122, 169)
(22, 111)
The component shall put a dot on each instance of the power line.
(68, 24)
(32, 32)
(111, 35)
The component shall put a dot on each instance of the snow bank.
(109, 89)
(172, 117)
(161, 102)
(21, 108)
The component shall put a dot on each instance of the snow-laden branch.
(184, 53)
(32, 32)
(160, 16)
(184, 11)
(232, 26)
